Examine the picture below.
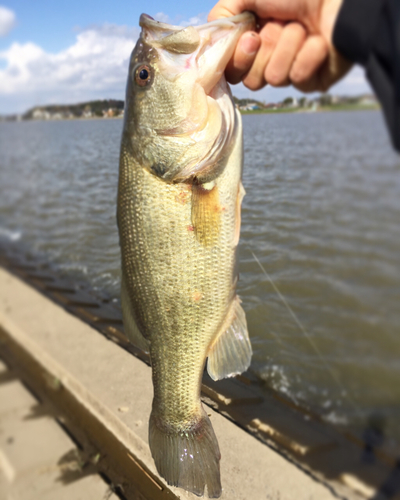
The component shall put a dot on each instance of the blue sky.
(66, 52)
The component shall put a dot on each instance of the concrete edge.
(92, 420)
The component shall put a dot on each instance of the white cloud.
(7, 20)
(196, 20)
(193, 21)
(95, 65)
(163, 18)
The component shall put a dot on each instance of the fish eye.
(142, 75)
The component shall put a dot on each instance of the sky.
(72, 51)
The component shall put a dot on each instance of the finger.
(269, 34)
(243, 57)
(311, 85)
(264, 9)
(334, 68)
(320, 81)
(329, 72)
(289, 44)
(308, 61)
(226, 8)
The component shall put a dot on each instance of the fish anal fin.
(131, 329)
(231, 352)
(206, 213)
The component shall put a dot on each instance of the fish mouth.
(165, 29)
(208, 46)
(200, 53)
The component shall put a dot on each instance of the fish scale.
(178, 245)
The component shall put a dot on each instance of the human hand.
(293, 44)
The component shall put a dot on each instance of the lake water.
(321, 216)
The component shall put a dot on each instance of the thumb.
(227, 8)
(283, 10)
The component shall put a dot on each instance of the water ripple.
(321, 214)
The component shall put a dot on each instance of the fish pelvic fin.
(231, 352)
(131, 329)
(188, 458)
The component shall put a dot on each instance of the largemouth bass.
(179, 202)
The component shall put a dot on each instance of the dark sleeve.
(367, 32)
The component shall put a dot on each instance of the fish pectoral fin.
(206, 213)
(231, 352)
(131, 329)
(239, 198)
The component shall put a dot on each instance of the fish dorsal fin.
(131, 329)
(184, 41)
(231, 352)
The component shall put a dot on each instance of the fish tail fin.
(189, 458)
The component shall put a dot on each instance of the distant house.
(40, 114)
(87, 113)
(249, 107)
(109, 113)
(368, 100)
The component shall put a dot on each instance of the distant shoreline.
(333, 107)
(66, 119)
(321, 109)
(114, 108)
